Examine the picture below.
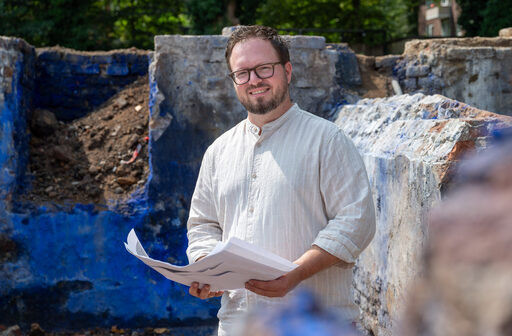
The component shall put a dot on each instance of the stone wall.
(409, 144)
(72, 83)
(477, 71)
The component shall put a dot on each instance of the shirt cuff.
(338, 247)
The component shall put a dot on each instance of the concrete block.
(410, 84)
(458, 53)
(102, 58)
(347, 69)
(85, 69)
(306, 42)
(387, 62)
(417, 70)
(425, 83)
(44, 54)
(408, 143)
(484, 52)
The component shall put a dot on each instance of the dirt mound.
(94, 159)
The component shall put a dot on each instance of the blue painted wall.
(71, 83)
(65, 267)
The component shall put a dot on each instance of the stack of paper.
(229, 266)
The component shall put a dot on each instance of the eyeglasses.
(262, 71)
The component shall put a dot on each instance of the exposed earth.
(36, 330)
(99, 158)
(92, 160)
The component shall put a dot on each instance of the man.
(282, 179)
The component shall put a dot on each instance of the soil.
(375, 84)
(91, 159)
(36, 330)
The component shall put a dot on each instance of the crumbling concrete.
(409, 144)
(477, 71)
(17, 62)
(465, 288)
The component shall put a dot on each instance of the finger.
(205, 291)
(260, 291)
(273, 285)
(217, 294)
(265, 288)
(193, 290)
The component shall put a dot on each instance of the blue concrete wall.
(65, 267)
(16, 84)
(71, 271)
(72, 83)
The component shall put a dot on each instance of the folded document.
(229, 266)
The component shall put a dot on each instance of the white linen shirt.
(300, 182)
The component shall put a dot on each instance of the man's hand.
(311, 262)
(204, 292)
(274, 288)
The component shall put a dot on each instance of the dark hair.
(243, 33)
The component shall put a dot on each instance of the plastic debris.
(134, 155)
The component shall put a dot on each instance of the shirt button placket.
(252, 190)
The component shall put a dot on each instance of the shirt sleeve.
(203, 229)
(348, 201)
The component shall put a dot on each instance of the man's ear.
(288, 70)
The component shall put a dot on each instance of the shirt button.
(251, 210)
(254, 176)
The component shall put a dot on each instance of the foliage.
(210, 16)
(349, 15)
(471, 16)
(497, 15)
(136, 22)
(90, 24)
(81, 24)
(108, 24)
(485, 17)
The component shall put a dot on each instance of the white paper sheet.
(229, 266)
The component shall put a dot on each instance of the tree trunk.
(230, 13)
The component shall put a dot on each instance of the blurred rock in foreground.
(466, 288)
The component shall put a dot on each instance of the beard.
(263, 107)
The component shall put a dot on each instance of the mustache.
(252, 87)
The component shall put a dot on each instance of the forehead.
(252, 52)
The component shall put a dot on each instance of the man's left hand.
(311, 262)
(274, 288)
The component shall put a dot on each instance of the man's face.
(260, 96)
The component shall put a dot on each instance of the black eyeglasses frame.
(250, 70)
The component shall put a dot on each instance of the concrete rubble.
(467, 270)
(409, 144)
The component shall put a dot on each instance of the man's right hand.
(204, 292)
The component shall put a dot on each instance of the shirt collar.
(272, 126)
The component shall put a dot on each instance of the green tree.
(472, 15)
(136, 22)
(210, 16)
(496, 15)
(335, 14)
(80, 24)
(91, 24)
(485, 17)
